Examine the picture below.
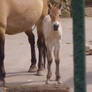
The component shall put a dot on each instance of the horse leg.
(41, 48)
(31, 40)
(57, 71)
(49, 62)
(44, 53)
(40, 62)
(57, 61)
(2, 42)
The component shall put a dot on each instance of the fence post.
(78, 14)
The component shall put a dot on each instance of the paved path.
(88, 11)
(17, 60)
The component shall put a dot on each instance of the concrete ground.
(17, 58)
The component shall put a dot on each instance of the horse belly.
(23, 15)
(18, 25)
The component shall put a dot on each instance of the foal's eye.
(60, 15)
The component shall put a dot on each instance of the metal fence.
(78, 13)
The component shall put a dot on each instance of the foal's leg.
(49, 60)
(2, 41)
(57, 61)
(31, 40)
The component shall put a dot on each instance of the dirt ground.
(17, 58)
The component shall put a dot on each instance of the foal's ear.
(49, 5)
(59, 6)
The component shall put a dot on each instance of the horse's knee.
(57, 55)
(49, 54)
(39, 43)
(57, 61)
(42, 46)
(49, 62)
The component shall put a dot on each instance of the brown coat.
(20, 15)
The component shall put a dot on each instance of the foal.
(52, 30)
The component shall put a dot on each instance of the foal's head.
(55, 14)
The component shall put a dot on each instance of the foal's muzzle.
(56, 26)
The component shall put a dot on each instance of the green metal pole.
(78, 14)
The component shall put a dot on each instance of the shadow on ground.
(21, 73)
(88, 79)
(26, 81)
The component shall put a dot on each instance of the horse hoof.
(32, 69)
(59, 82)
(2, 83)
(40, 72)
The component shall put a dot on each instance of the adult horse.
(19, 16)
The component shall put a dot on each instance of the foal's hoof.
(59, 81)
(32, 69)
(47, 82)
